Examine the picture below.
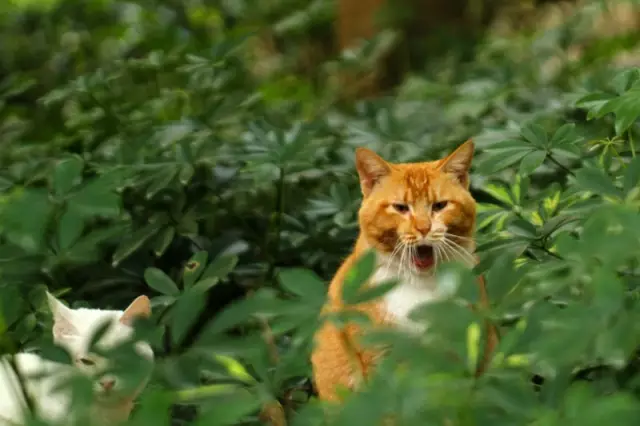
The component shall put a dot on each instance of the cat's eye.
(87, 362)
(401, 208)
(436, 207)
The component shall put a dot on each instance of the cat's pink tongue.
(423, 257)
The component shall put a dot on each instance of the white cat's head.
(73, 329)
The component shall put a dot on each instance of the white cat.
(112, 397)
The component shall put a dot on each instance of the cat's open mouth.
(423, 257)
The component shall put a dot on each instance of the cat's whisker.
(459, 252)
(403, 250)
(446, 255)
(462, 250)
(388, 263)
(437, 255)
(460, 237)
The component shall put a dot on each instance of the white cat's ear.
(371, 168)
(139, 308)
(62, 318)
(458, 163)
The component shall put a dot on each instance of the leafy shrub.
(137, 158)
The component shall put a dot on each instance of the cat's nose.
(423, 228)
(107, 384)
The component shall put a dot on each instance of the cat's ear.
(371, 168)
(139, 308)
(458, 163)
(62, 318)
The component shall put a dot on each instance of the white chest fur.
(411, 291)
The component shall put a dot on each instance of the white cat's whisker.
(459, 237)
(462, 250)
(459, 252)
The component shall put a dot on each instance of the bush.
(142, 154)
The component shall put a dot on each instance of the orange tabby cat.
(413, 216)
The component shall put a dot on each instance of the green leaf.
(236, 408)
(136, 240)
(97, 198)
(596, 181)
(500, 193)
(625, 107)
(221, 266)
(493, 162)
(594, 102)
(376, 291)
(161, 180)
(24, 218)
(357, 276)
(205, 285)
(5, 184)
(186, 173)
(625, 80)
(194, 268)
(632, 174)
(87, 248)
(185, 311)
(163, 240)
(302, 283)
(535, 134)
(564, 135)
(70, 228)
(67, 174)
(159, 281)
(531, 162)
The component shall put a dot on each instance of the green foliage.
(142, 154)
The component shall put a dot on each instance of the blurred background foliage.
(201, 152)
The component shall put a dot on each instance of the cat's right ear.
(62, 318)
(139, 308)
(371, 168)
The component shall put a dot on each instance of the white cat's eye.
(401, 208)
(87, 362)
(436, 207)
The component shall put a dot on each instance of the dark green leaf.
(67, 174)
(632, 175)
(368, 294)
(136, 240)
(97, 198)
(184, 313)
(230, 410)
(24, 218)
(535, 134)
(302, 283)
(596, 181)
(159, 281)
(531, 162)
(70, 228)
(564, 135)
(220, 267)
(163, 240)
(161, 180)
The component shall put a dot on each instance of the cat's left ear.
(139, 308)
(458, 163)
(62, 318)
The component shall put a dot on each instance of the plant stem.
(631, 144)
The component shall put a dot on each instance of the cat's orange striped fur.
(413, 216)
